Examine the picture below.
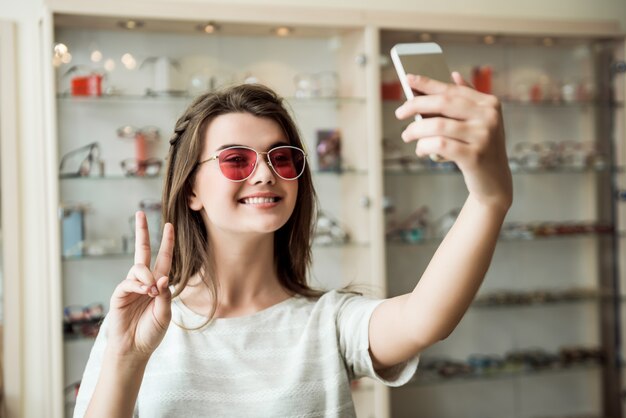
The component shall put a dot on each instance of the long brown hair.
(192, 252)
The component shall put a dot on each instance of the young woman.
(225, 324)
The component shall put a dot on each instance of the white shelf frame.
(43, 243)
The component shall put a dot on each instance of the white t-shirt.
(293, 359)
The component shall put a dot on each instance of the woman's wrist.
(130, 360)
(497, 207)
(118, 385)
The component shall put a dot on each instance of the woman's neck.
(246, 276)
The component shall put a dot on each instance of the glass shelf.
(560, 170)
(559, 104)
(114, 177)
(346, 172)
(119, 177)
(541, 104)
(104, 256)
(436, 241)
(78, 338)
(427, 378)
(123, 255)
(516, 171)
(346, 245)
(64, 98)
(555, 299)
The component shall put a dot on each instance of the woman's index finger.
(166, 252)
(142, 239)
(427, 86)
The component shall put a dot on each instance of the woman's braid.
(180, 128)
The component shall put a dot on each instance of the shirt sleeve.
(92, 372)
(353, 318)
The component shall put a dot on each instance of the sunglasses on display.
(238, 163)
(81, 161)
(133, 167)
(151, 133)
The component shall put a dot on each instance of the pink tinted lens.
(287, 162)
(237, 163)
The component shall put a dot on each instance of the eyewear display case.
(541, 339)
(122, 83)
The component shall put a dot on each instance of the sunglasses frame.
(256, 162)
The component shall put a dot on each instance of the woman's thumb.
(459, 80)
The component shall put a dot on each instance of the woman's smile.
(262, 200)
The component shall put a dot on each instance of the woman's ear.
(194, 202)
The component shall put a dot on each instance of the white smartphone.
(421, 59)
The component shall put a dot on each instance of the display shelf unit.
(502, 375)
(121, 177)
(235, 55)
(351, 43)
(540, 192)
(515, 171)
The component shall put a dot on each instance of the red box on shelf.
(90, 85)
(481, 77)
(391, 90)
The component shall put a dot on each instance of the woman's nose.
(263, 173)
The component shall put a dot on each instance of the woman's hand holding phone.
(140, 309)
(464, 126)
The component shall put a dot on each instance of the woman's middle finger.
(430, 86)
(454, 107)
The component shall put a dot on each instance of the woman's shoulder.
(343, 294)
(336, 299)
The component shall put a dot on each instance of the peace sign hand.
(140, 309)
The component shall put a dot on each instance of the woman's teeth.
(259, 200)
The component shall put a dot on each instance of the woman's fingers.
(140, 272)
(142, 239)
(127, 287)
(437, 126)
(429, 86)
(162, 303)
(164, 258)
(143, 274)
(449, 149)
(459, 80)
(448, 105)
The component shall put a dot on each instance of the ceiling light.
(426, 37)
(130, 24)
(489, 39)
(283, 31)
(209, 27)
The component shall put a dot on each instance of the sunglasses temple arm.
(76, 151)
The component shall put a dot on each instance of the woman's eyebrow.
(275, 144)
(228, 146)
(278, 144)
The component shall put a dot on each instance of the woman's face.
(242, 207)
